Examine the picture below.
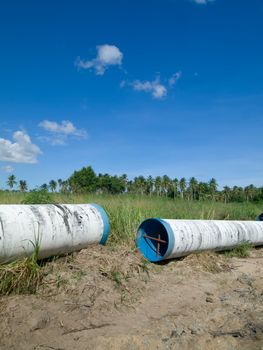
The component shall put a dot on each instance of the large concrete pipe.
(160, 239)
(56, 229)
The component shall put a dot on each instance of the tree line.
(87, 181)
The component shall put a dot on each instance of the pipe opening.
(153, 239)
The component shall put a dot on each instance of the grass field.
(126, 212)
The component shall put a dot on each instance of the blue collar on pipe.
(106, 223)
(147, 247)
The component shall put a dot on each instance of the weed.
(59, 280)
(77, 275)
(21, 276)
(38, 197)
(207, 261)
(117, 277)
(241, 251)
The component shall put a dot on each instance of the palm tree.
(140, 184)
(175, 186)
(226, 193)
(60, 181)
(202, 190)
(213, 187)
(166, 183)
(65, 186)
(44, 187)
(130, 186)
(124, 181)
(182, 186)
(22, 186)
(193, 187)
(249, 192)
(149, 185)
(53, 185)
(157, 184)
(11, 181)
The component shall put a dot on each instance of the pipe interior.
(153, 239)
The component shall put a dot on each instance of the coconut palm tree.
(193, 187)
(22, 186)
(149, 185)
(182, 186)
(157, 184)
(226, 193)
(213, 187)
(53, 185)
(65, 186)
(44, 187)
(166, 183)
(11, 181)
(60, 181)
(123, 181)
(140, 184)
(249, 192)
(175, 186)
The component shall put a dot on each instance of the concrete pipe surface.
(160, 239)
(56, 228)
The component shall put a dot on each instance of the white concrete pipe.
(57, 228)
(160, 239)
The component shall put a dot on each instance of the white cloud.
(202, 2)
(7, 168)
(107, 55)
(22, 150)
(156, 88)
(174, 78)
(66, 127)
(59, 132)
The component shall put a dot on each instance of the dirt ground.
(105, 299)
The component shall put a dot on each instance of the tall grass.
(21, 276)
(126, 212)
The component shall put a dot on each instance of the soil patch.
(103, 298)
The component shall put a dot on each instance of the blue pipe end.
(155, 239)
(260, 217)
(106, 223)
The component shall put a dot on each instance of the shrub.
(38, 197)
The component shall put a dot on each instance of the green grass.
(241, 251)
(21, 276)
(126, 212)
(38, 197)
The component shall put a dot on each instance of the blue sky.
(138, 87)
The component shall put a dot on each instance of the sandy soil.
(104, 299)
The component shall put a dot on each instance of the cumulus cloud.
(156, 88)
(202, 2)
(60, 132)
(7, 168)
(107, 55)
(22, 150)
